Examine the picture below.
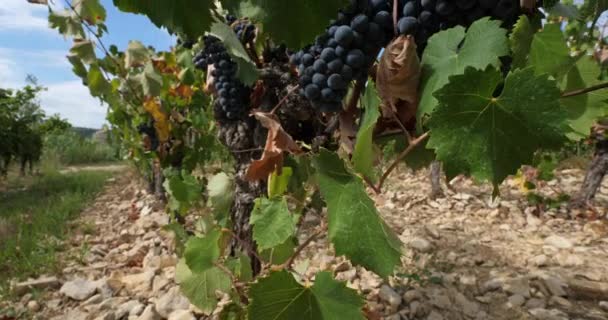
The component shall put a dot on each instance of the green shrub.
(70, 148)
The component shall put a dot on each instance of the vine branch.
(414, 143)
(301, 247)
(585, 90)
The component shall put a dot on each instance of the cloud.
(23, 16)
(72, 100)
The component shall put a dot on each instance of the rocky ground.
(467, 257)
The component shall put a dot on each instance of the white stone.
(389, 295)
(555, 286)
(149, 314)
(545, 314)
(79, 289)
(558, 242)
(516, 300)
(421, 245)
(540, 260)
(518, 286)
(181, 315)
(40, 283)
(33, 306)
(434, 315)
(604, 305)
(171, 301)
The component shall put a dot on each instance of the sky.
(29, 46)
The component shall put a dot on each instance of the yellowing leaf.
(161, 120)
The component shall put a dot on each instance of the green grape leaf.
(521, 40)
(77, 66)
(490, 138)
(277, 184)
(189, 17)
(200, 288)
(279, 254)
(549, 52)
(355, 228)
(136, 54)
(584, 110)
(233, 311)
(183, 191)
(220, 190)
(90, 11)
(151, 81)
(240, 266)
(280, 297)
(272, 222)
(363, 154)
(451, 51)
(565, 10)
(98, 85)
(84, 50)
(66, 23)
(247, 71)
(202, 253)
(295, 23)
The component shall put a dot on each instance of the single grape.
(312, 92)
(328, 54)
(320, 66)
(335, 66)
(360, 23)
(445, 8)
(384, 19)
(407, 25)
(344, 36)
(307, 59)
(319, 79)
(410, 9)
(355, 58)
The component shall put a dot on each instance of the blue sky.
(29, 46)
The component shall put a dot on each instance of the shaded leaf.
(247, 71)
(355, 227)
(363, 154)
(295, 23)
(202, 253)
(90, 11)
(446, 54)
(549, 52)
(279, 254)
(220, 190)
(272, 222)
(97, 83)
(189, 17)
(151, 81)
(136, 54)
(521, 40)
(280, 297)
(85, 50)
(277, 142)
(490, 138)
(66, 23)
(200, 288)
(586, 109)
(240, 266)
(398, 79)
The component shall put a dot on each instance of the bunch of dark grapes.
(275, 53)
(343, 53)
(232, 95)
(148, 130)
(244, 29)
(351, 43)
(423, 18)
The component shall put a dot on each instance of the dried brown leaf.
(277, 142)
(398, 78)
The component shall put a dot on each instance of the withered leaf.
(210, 81)
(277, 142)
(398, 78)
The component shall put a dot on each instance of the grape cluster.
(423, 18)
(351, 43)
(244, 29)
(343, 53)
(147, 129)
(232, 95)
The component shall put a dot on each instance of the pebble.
(33, 306)
(421, 245)
(389, 295)
(434, 315)
(516, 300)
(79, 289)
(604, 305)
(558, 242)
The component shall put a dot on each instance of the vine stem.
(585, 90)
(301, 247)
(289, 93)
(234, 280)
(243, 243)
(414, 143)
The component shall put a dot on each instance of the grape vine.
(275, 91)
